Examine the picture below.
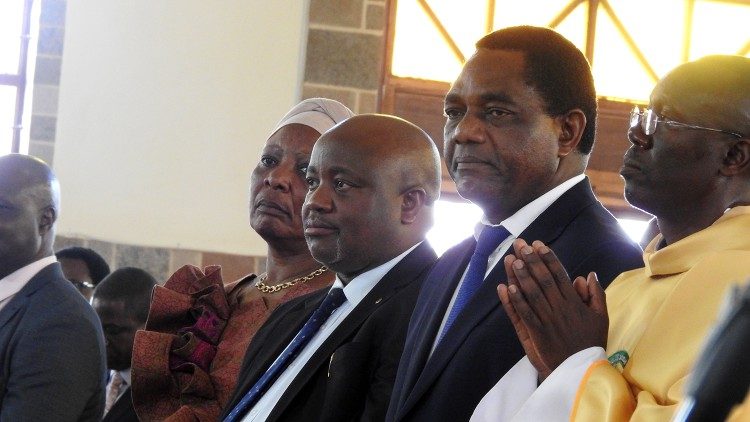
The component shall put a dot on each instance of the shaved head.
(714, 90)
(372, 182)
(688, 177)
(395, 143)
(27, 173)
(29, 205)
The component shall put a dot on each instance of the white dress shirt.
(515, 224)
(355, 291)
(15, 281)
(125, 374)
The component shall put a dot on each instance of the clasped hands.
(553, 317)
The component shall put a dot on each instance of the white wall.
(164, 106)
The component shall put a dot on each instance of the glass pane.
(454, 222)
(617, 71)
(635, 229)
(573, 27)
(659, 39)
(731, 18)
(418, 50)
(542, 13)
(657, 28)
(11, 18)
(465, 23)
(7, 111)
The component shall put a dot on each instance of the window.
(14, 42)
(455, 221)
(630, 43)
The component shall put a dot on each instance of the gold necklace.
(264, 288)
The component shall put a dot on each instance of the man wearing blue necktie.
(332, 355)
(520, 126)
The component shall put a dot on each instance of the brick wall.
(343, 62)
(46, 81)
(344, 52)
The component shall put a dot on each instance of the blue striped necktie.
(333, 300)
(488, 241)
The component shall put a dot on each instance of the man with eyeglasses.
(628, 357)
(83, 267)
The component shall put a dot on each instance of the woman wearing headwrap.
(186, 361)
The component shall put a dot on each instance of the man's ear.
(413, 200)
(47, 219)
(572, 125)
(737, 158)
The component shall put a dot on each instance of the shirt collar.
(523, 218)
(678, 257)
(125, 374)
(15, 281)
(361, 285)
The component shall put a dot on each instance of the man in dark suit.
(373, 180)
(51, 344)
(122, 301)
(520, 125)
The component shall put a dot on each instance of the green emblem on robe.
(619, 359)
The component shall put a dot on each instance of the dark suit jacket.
(122, 410)
(351, 375)
(52, 355)
(482, 346)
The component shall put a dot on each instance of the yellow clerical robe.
(660, 317)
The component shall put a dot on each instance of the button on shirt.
(515, 224)
(15, 281)
(355, 291)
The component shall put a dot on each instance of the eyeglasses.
(648, 120)
(82, 286)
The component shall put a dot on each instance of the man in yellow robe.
(628, 357)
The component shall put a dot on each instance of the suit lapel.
(547, 227)
(11, 308)
(278, 332)
(122, 409)
(22, 297)
(438, 289)
(406, 271)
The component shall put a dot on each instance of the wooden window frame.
(19, 79)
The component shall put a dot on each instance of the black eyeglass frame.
(644, 119)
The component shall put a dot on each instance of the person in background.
(83, 267)
(186, 362)
(52, 355)
(627, 356)
(121, 300)
(520, 126)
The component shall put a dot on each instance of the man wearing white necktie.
(121, 300)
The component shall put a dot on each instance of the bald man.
(631, 354)
(52, 356)
(373, 180)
